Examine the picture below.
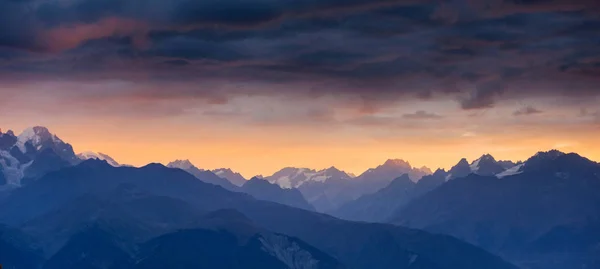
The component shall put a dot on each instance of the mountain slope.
(204, 175)
(95, 247)
(508, 215)
(31, 154)
(99, 156)
(330, 188)
(233, 177)
(356, 245)
(15, 251)
(229, 240)
(379, 206)
(263, 190)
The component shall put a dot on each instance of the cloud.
(421, 115)
(527, 110)
(381, 52)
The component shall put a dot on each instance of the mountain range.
(544, 214)
(148, 218)
(380, 205)
(59, 209)
(328, 189)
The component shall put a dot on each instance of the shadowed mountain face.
(227, 239)
(545, 215)
(355, 245)
(379, 206)
(330, 188)
(31, 154)
(204, 175)
(16, 250)
(233, 177)
(263, 190)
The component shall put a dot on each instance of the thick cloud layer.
(475, 52)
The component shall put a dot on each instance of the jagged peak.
(36, 136)
(95, 163)
(397, 163)
(487, 157)
(228, 170)
(181, 164)
(439, 171)
(462, 162)
(551, 154)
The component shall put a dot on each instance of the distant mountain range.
(544, 213)
(62, 210)
(330, 188)
(94, 215)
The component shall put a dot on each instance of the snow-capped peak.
(291, 177)
(181, 164)
(36, 136)
(486, 158)
(548, 155)
(233, 177)
(98, 156)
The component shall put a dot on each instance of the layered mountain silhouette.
(263, 190)
(204, 175)
(61, 210)
(97, 155)
(256, 187)
(379, 206)
(330, 188)
(36, 207)
(547, 203)
(31, 154)
(233, 177)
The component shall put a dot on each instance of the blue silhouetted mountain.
(263, 190)
(544, 201)
(330, 188)
(229, 240)
(204, 175)
(43, 162)
(7, 140)
(486, 165)
(2, 176)
(233, 177)
(16, 250)
(379, 206)
(94, 247)
(356, 245)
(461, 169)
(135, 215)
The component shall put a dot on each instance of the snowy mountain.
(31, 154)
(98, 156)
(291, 177)
(486, 165)
(203, 175)
(392, 169)
(264, 190)
(233, 177)
(544, 213)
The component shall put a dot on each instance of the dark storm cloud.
(476, 52)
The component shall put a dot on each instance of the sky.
(256, 85)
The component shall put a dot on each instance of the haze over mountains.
(59, 209)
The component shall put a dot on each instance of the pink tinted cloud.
(71, 36)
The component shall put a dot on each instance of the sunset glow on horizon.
(259, 85)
